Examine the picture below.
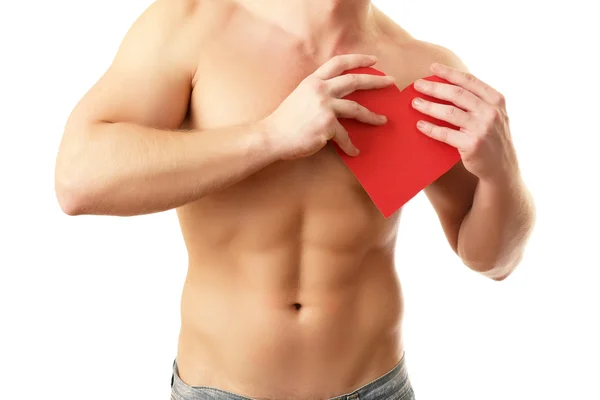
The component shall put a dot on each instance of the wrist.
(268, 136)
(503, 179)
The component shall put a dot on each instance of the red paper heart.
(396, 160)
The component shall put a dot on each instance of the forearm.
(494, 232)
(126, 169)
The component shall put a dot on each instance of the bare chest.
(238, 83)
(241, 83)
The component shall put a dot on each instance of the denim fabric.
(394, 385)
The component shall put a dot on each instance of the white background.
(89, 306)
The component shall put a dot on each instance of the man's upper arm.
(149, 80)
(451, 195)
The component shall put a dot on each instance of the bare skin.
(227, 113)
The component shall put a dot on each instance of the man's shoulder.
(175, 13)
(431, 52)
(407, 56)
(172, 10)
(179, 27)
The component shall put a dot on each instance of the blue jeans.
(394, 385)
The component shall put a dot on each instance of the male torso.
(292, 290)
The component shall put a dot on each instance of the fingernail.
(373, 58)
(383, 118)
(418, 102)
(356, 152)
(421, 124)
(420, 84)
(390, 78)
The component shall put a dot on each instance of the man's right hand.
(308, 118)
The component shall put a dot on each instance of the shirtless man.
(224, 110)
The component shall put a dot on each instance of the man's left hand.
(479, 111)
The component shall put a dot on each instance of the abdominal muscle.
(291, 291)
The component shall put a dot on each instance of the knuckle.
(494, 114)
(318, 85)
(339, 60)
(470, 78)
(476, 143)
(353, 81)
(331, 63)
(323, 139)
(311, 81)
(352, 108)
(322, 100)
(499, 99)
(450, 111)
(325, 120)
(458, 91)
(442, 133)
(328, 118)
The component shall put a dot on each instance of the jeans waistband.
(393, 384)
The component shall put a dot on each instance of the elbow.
(494, 272)
(72, 198)
(499, 271)
(497, 265)
(496, 268)
(72, 174)
(70, 204)
(72, 187)
(500, 278)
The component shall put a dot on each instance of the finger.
(339, 64)
(470, 82)
(452, 93)
(342, 139)
(443, 112)
(449, 136)
(350, 109)
(343, 85)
